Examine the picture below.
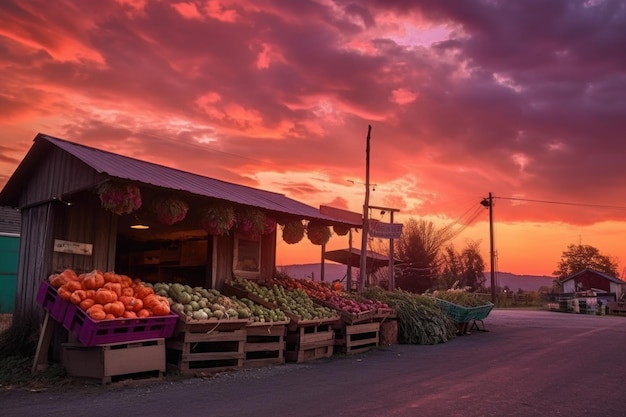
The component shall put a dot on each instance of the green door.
(9, 251)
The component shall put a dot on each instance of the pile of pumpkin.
(107, 295)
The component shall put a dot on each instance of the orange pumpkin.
(109, 317)
(112, 277)
(64, 293)
(132, 303)
(78, 296)
(128, 291)
(160, 306)
(96, 312)
(116, 287)
(86, 303)
(126, 281)
(144, 313)
(129, 315)
(73, 286)
(93, 280)
(116, 308)
(141, 291)
(103, 296)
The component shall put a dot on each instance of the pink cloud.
(464, 97)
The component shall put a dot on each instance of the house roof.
(593, 271)
(10, 221)
(131, 169)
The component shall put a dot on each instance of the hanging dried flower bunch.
(170, 210)
(119, 198)
(251, 222)
(218, 219)
(318, 233)
(293, 232)
(270, 225)
(341, 230)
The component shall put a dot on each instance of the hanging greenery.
(341, 230)
(218, 219)
(293, 232)
(318, 233)
(170, 210)
(119, 198)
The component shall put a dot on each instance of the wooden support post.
(43, 345)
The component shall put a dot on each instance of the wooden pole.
(392, 278)
(363, 264)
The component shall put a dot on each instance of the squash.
(112, 277)
(78, 296)
(116, 287)
(103, 296)
(86, 303)
(131, 303)
(96, 312)
(93, 280)
(160, 306)
(57, 280)
(141, 291)
(64, 293)
(115, 308)
(129, 315)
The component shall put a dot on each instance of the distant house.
(592, 280)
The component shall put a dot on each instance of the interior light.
(139, 226)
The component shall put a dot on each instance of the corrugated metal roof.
(593, 271)
(126, 168)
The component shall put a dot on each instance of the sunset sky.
(525, 99)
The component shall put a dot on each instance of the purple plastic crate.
(49, 299)
(91, 332)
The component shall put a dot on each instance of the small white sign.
(76, 248)
(385, 230)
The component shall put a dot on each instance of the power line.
(561, 203)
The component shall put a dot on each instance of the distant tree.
(467, 268)
(418, 248)
(579, 257)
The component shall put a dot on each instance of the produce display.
(199, 303)
(108, 296)
(330, 297)
(460, 297)
(420, 319)
(292, 301)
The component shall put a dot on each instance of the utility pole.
(363, 264)
(488, 202)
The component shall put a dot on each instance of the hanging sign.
(384, 230)
(76, 248)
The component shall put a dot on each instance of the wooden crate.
(357, 338)
(206, 347)
(265, 344)
(309, 341)
(115, 362)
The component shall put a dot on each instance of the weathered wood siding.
(56, 175)
(36, 243)
(86, 222)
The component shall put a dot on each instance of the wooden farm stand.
(116, 361)
(265, 344)
(206, 346)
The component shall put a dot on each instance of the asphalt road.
(529, 363)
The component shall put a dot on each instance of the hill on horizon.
(333, 271)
